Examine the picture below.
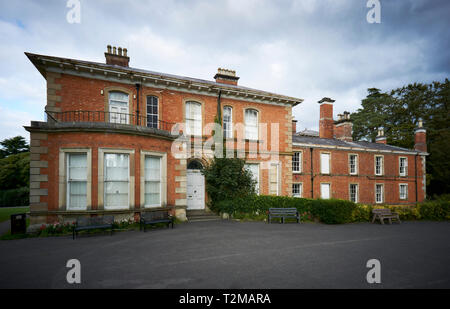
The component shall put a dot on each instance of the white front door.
(195, 190)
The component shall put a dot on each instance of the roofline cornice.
(358, 149)
(124, 75)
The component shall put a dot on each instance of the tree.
(398, 112)
(13, 145)
(15, 171)
(226, 179)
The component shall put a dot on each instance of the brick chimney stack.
(225, 76)
(326, 123)
(117, 56)
(294, 126)
(420, 137)
(343, 127)
(381, 139)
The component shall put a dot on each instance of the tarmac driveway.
(227, 254)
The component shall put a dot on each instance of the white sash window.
(297, 190)
(379, 193)
(193, 118)
(152, 181)
(118, 107)
(76, 181)
(325, 163)
(296, 162)
(354, 193)
(227, 122)
(403, 191)
(325, 190)
(116, 181)
(152, 112)
(251, 124)
(403, 165)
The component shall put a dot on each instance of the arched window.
(193, 118)
(152, 112)
(195, 165)
(251, 124)
(118, 107)
(228, 122)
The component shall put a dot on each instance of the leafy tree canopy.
(15, 171)
(398, 112)
(13, 145)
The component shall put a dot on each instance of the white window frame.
(329, 190)
(300, 189)
(356, 193)
(381, 193)
(297, 168)
(248, 126)
(228, 125)
(197, 122)
(277, 166)
(381, 173)
(355, 172)
(151, 114)
(69, 181)
(62, 194)
(322, 171)
(120, 117)
(101, 178)
(400, 185)
(405, 167)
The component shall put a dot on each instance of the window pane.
(251, 124)
(227, 122)
(325, 163)
(193, 118)
(116, 180)
(76, 181)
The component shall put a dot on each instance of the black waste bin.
(19, 224)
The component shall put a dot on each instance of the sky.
(301, 48)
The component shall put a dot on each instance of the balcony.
(101, 120)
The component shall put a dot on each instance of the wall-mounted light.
(101, 92)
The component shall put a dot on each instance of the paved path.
(4, 227)
(225, 254)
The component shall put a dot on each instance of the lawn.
(6, 212)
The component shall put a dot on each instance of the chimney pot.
(120, 59)
(420, 137)
(225, 76)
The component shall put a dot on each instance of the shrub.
(437, 210)
(227, 179)
(15, 197)
(333, 211)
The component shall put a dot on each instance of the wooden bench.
(154, 217)
(283, 213)
(92, 223)
(385, 214)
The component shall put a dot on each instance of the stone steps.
(201, 215)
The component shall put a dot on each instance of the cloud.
(302, 48)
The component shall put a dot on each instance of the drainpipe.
(138, 86)
(312, 173)
(415, 172)
(219, 110)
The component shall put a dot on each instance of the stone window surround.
(62, 195)
(163, 157)
(356, 164)
(131, 184)
(357, 191)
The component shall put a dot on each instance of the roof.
(75, 66)
(355, 145)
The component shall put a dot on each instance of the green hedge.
(15, 197)
(330, 211)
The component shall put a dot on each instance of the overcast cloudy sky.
(305, 48)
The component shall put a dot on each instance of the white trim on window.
(403, 167)
(228, 122)
(379, 165)
(379, 193)
(251, 124)
(297, 189)
(353, 166)
(353, 192)
(325, 163)
(297, 159)
(403, 194)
